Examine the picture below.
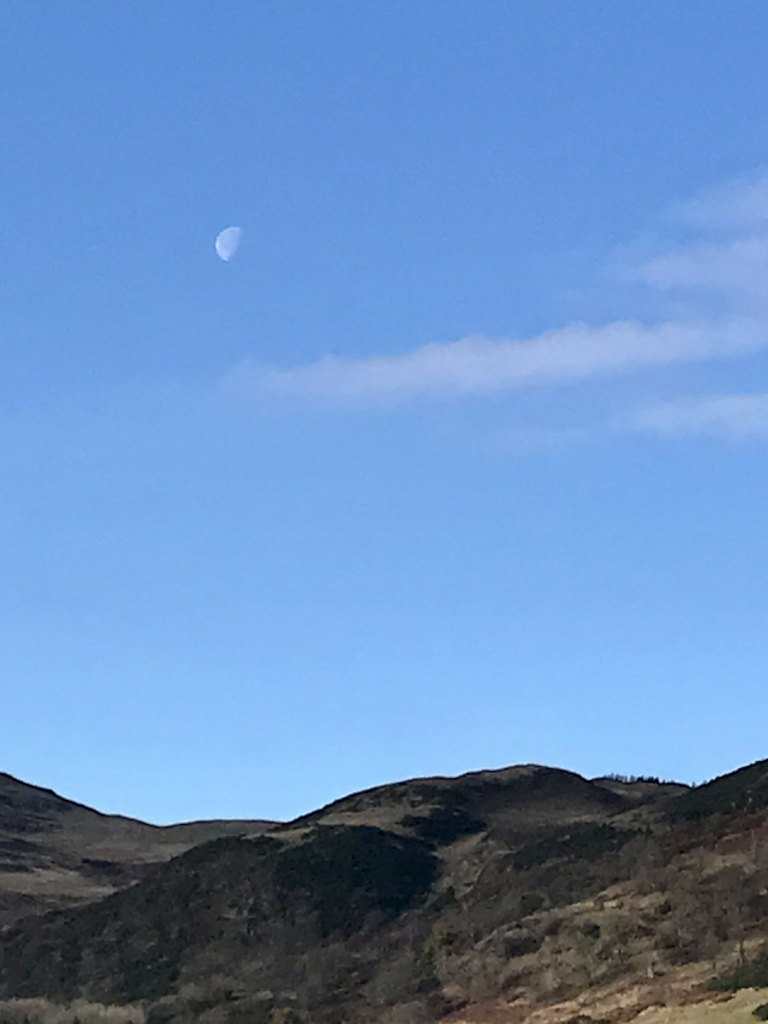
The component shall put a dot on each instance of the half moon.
(227, 242)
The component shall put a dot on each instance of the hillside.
(56, 853)
(529, 893)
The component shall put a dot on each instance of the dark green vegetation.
(444, 825)
(738, 792)
(133, 944)
(750, 974)
(588, 843)
(344, 875)
(403, 903)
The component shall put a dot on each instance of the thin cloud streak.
(737, 268)
(729, 416)
(484, 366)
(731, 259)
(738, 206)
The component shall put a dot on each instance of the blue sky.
(458, 462)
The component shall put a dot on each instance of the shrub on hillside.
(346, 873)
(742, 790)
(579, 844)
(750, 974)
(444, 825)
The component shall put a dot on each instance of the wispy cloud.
(728, 260)
(737, 206)
(476, 366)
(731, 416)
(738, 268)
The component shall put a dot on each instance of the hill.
(528, 893)
(56, 853)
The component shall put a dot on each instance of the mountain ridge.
(497, 895)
